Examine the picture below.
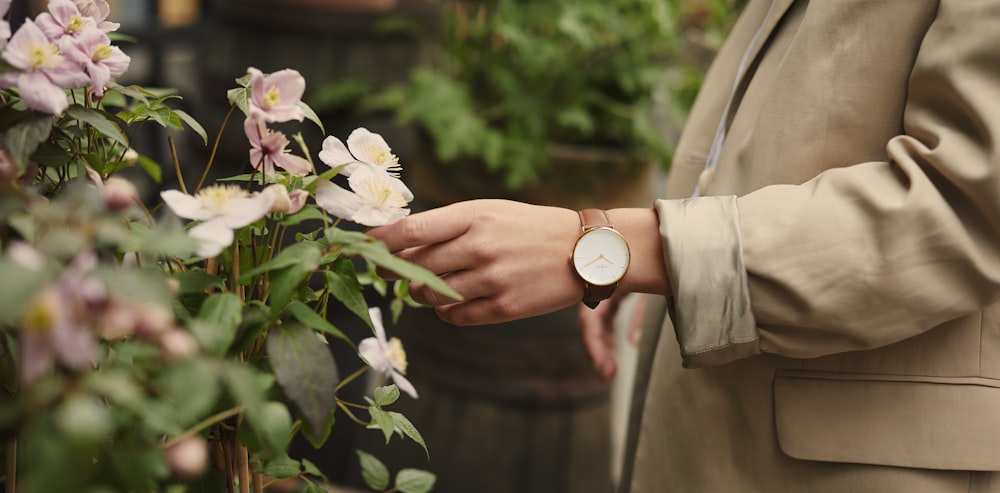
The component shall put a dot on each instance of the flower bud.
(177, 344)
(279, 194)
(298, 200)
(119, 194)
(188, 458)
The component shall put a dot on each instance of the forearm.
(647, 272)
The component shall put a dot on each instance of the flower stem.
(243, 467)
(209, 421)
(215, 148)
(177, 164)
(351, 377)
(351, 415)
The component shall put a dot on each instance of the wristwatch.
(600, 256)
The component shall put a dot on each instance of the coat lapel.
(775, 14)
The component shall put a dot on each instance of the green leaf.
(22, 139)
(282, 467)
(386, 395)
(404, 425)
(195, 281)
(414, 481)
(193, 124)
(134, 92)
(238, 98)
(140, 284)
(307, 373)
(99, 121)
(192, 389)
(303, 313)
(378, 253)
(287, 257)
(285, 281)
(342, 281)
(268, 428)
(307, 213)
(216, 324)
(311, 468)
(19, 285)
(152, 168)
(373, 471)
(311, 115)
(382, 421)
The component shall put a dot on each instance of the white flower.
(221, 208)
(363, 147)
(377, 198)
(386, 356)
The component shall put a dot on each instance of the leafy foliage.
(510, 77)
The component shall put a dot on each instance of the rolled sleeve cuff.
(711, 312)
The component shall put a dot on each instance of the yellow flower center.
(379, 194)
(382, 157)
(217, 196)
(101, 52)
(40, 314)
(40, 55)
(272, 97)
(397, 355)
(75, 24)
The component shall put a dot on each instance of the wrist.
(647, 272)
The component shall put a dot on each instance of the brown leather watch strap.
(593, 294)
(593, 218)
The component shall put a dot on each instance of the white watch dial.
(601, 256)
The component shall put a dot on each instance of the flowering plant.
(140, 353)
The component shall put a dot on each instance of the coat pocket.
(907, 421)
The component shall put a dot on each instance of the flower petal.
(373, 216)
(213, 237)
(404, 384)
(242, 212)
(335, 153)
(374, 354)
(184, 205)
(39, 93)
(337, 201)
(367, 145)
(294, 165)
(375, 313)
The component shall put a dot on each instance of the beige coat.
(837, 308)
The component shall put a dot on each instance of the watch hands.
(599, 257)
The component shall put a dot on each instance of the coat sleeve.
(866, 255)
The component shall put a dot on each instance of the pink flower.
(4, 25)
(284, 201)
(63, 19)
(92, 50)
(269, 149)
(54, 326)
(99, 10)
(275, 97)
(363, 147)
(45, 72)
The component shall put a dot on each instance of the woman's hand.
(508, 260)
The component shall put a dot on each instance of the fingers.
(425, 228)
(597, 330)
(466, 283)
